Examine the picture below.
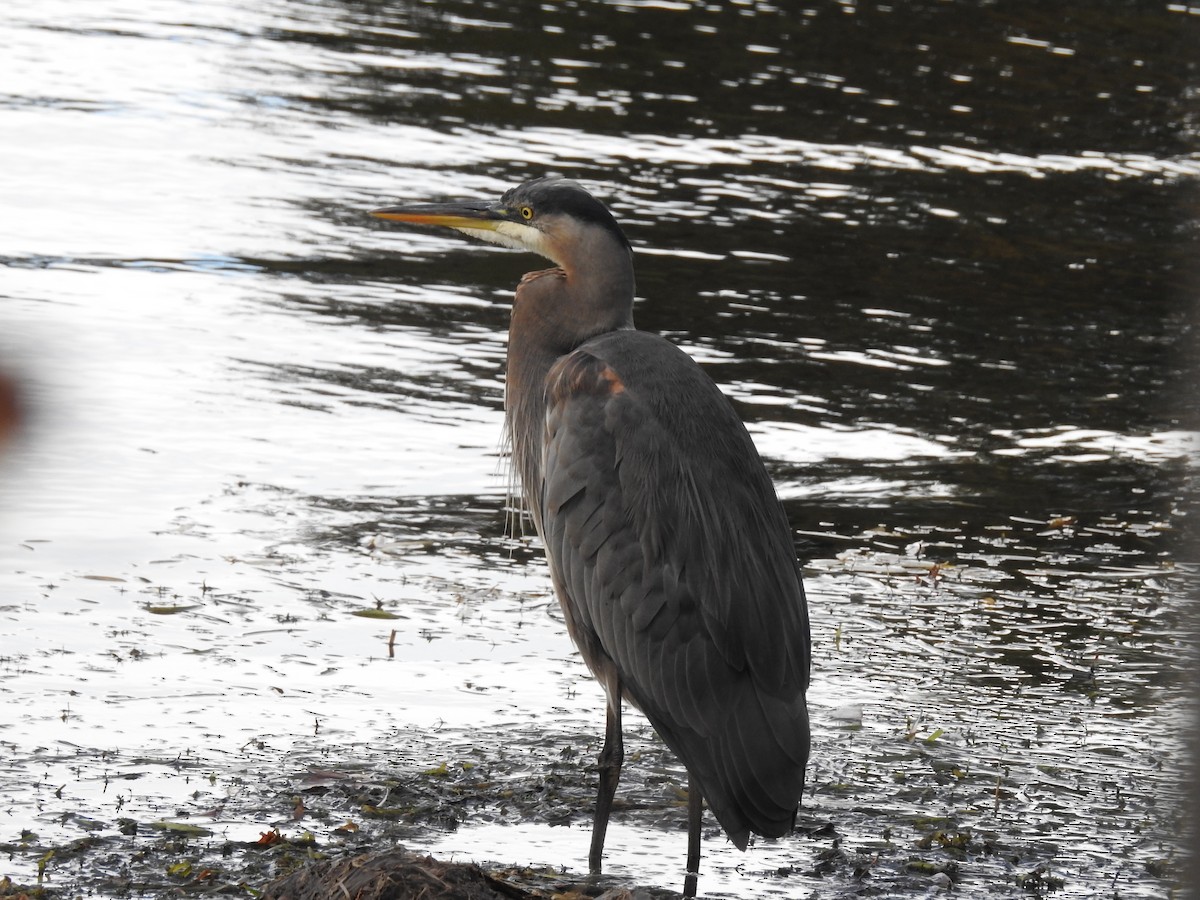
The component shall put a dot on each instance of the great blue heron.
(668, 548)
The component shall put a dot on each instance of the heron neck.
(554, 311)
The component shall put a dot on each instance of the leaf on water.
(384, 812)
(180, 869)
(931, 821)
(374, 614)
(182, 828)
(438, 771)
(168, 610)
(937, 733)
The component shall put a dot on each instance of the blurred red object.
(10, 409)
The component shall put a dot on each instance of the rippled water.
(941, 257)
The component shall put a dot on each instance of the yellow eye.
(526, 213)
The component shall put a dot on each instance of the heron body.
(669, 551)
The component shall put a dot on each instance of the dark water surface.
(941, 255)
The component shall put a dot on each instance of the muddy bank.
(957, 744)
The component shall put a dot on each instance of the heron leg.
(609, 764)
(695, 814)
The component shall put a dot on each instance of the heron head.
(553, 217)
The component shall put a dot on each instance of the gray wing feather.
(674, 562)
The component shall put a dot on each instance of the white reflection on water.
(1089, 444)
(154, 393)
(748, 149)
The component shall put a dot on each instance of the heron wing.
(674, 564)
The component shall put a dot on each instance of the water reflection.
(938, 255)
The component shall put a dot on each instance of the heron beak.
(490, 222)
(465, 216)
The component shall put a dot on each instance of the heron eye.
(526, 213)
